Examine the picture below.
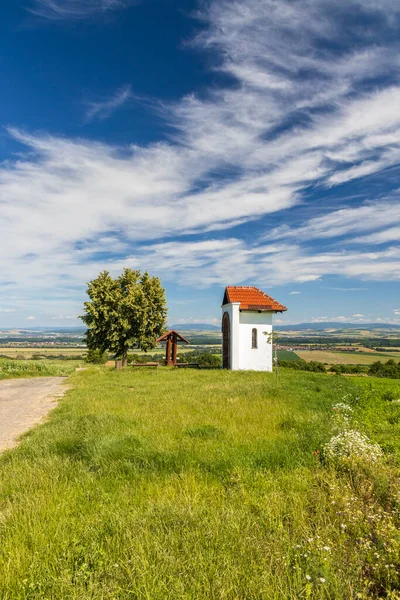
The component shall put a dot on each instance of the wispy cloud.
(301, 111)
(346, 289)
(58, 10)
(102, 109)
(370, 216)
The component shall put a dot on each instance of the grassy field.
(346, 358)
(287, 355)
(174, 484)
(11, 369)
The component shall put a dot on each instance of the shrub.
(348, 369)
(302, 365)
(390, 369)
(144, 358)
(209, 360)
(96, 357)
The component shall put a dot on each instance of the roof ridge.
(251, 297)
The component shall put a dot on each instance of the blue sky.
(247, 142)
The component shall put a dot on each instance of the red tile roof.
(251, 298)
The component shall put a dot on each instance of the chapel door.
(226, 342)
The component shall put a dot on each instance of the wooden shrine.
(171, 338)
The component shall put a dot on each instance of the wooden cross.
(172, 338)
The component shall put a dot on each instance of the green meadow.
(186, 484)
(12, 369)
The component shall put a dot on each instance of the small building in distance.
(246, 322)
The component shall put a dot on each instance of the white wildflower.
(351, 445)
(342, 407)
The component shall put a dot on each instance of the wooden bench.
(148, 364)
(188, 365)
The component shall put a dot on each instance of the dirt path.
(24, 403)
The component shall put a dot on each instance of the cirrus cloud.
(60, 10)
(301, 112)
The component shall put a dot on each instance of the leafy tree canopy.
(127, 311)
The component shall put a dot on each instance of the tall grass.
(171, 484)
(44, 368)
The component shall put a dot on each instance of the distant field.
(345, 358)
(29, 352)
(287, 355)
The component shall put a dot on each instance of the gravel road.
(24, 403)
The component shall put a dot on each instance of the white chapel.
(246, 322)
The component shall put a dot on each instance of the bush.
(302, 365)
(209, 360)
(348, 369)
(144, 358)
(96, 357)
(390, 369)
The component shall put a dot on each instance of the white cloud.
(57, 10)
(203, 263)
(346, 289)
(367, 217)
(102, 109)
(358, 315)
(397, 312)
(293, 293)
(191, 320)
(30, 318)
(8, 310)
(233, 157)
(392, 234)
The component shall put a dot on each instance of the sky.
(228, 142)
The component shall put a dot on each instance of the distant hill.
(194, 327)
(337, 325)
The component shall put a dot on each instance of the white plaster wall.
(260, 358)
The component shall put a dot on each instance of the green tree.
(127, 311)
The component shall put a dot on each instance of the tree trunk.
(125, 359)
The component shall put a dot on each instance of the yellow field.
(345, 358)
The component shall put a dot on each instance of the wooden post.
(168, 354)
(174, 348)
